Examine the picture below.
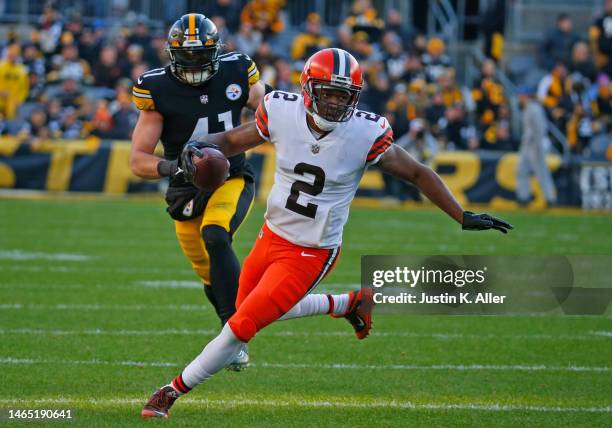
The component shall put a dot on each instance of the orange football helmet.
(331, 84)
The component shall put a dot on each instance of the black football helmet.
(193, 47)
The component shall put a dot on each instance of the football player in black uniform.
(201, 92)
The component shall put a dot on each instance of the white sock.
(216, 355)
(312, 304)
(341, 303)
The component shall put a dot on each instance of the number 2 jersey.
(316, 179)
(192, 112)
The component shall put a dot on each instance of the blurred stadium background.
(445, 73)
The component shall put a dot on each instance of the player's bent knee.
(243, 327)
(215, 236)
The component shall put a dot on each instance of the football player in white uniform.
(323, 146)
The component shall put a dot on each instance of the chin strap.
(322, 124)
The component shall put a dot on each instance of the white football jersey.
(316, 180)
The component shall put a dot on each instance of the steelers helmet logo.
(233, 92)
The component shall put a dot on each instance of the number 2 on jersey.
(308, 210)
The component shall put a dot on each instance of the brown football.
(211, 170)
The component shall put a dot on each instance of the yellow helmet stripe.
(192, 33)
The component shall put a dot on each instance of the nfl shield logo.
(204, 99)
(315, 148)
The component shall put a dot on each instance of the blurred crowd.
(70, 80)
(577, 90)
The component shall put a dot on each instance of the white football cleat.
(241, 360)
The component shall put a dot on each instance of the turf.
(98, 307)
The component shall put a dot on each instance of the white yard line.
(100, 307)
(596, 335)
(34, 255)
(450, 367)
(374, 404)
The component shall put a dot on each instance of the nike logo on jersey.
(307, 255)
(139, 80)
(178, 171)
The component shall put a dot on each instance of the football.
(211, 170)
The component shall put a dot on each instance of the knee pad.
(215, 236)
(243, 327)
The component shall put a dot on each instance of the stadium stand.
(66, 70)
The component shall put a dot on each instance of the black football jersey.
(192, 112)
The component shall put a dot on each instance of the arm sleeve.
(261, 120)
(252, 72)
(380, 146)
(141, 96)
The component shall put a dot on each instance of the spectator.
(377, 87)
(602, 106)
(363, 17)
(435, 113)
(49, 29)
(71, 126)
(14, 83)
(229, 10)
(456, 132)
(34, 61)
(124, 119)
(488, 94)
(579, 130)
(247, 40)
(88, 45)
(435, 60)
(493, 28)
(71, 94)
(398, 111)
(134, 56)
(306, 44)
(107, 71)
(284, 77)
(69, 65)
(532, 156)
(581, 66)
(394, 57)
(554, 92)
(600, 35)
(394, 23)
(264, 15)
(558, 43)
(264, 58)
(451, 93)
(34, 125)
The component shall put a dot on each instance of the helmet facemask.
(194, 65)
(333, 102)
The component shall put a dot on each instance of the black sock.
(224, 270)
(211, 298)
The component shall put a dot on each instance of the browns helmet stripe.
(347, 63)
(336, 61)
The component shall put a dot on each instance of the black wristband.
(166, 168)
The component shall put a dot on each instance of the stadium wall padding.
(102, 166)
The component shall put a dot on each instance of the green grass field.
(99, 307)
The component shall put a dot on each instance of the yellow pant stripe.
(220, 210)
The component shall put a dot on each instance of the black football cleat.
(159, 403)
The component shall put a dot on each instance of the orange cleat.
(359, 313)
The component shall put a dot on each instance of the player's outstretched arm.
(397, 162)
(232, 142)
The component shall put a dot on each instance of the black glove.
(191, 149)
(473, 221)
(168, 168)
